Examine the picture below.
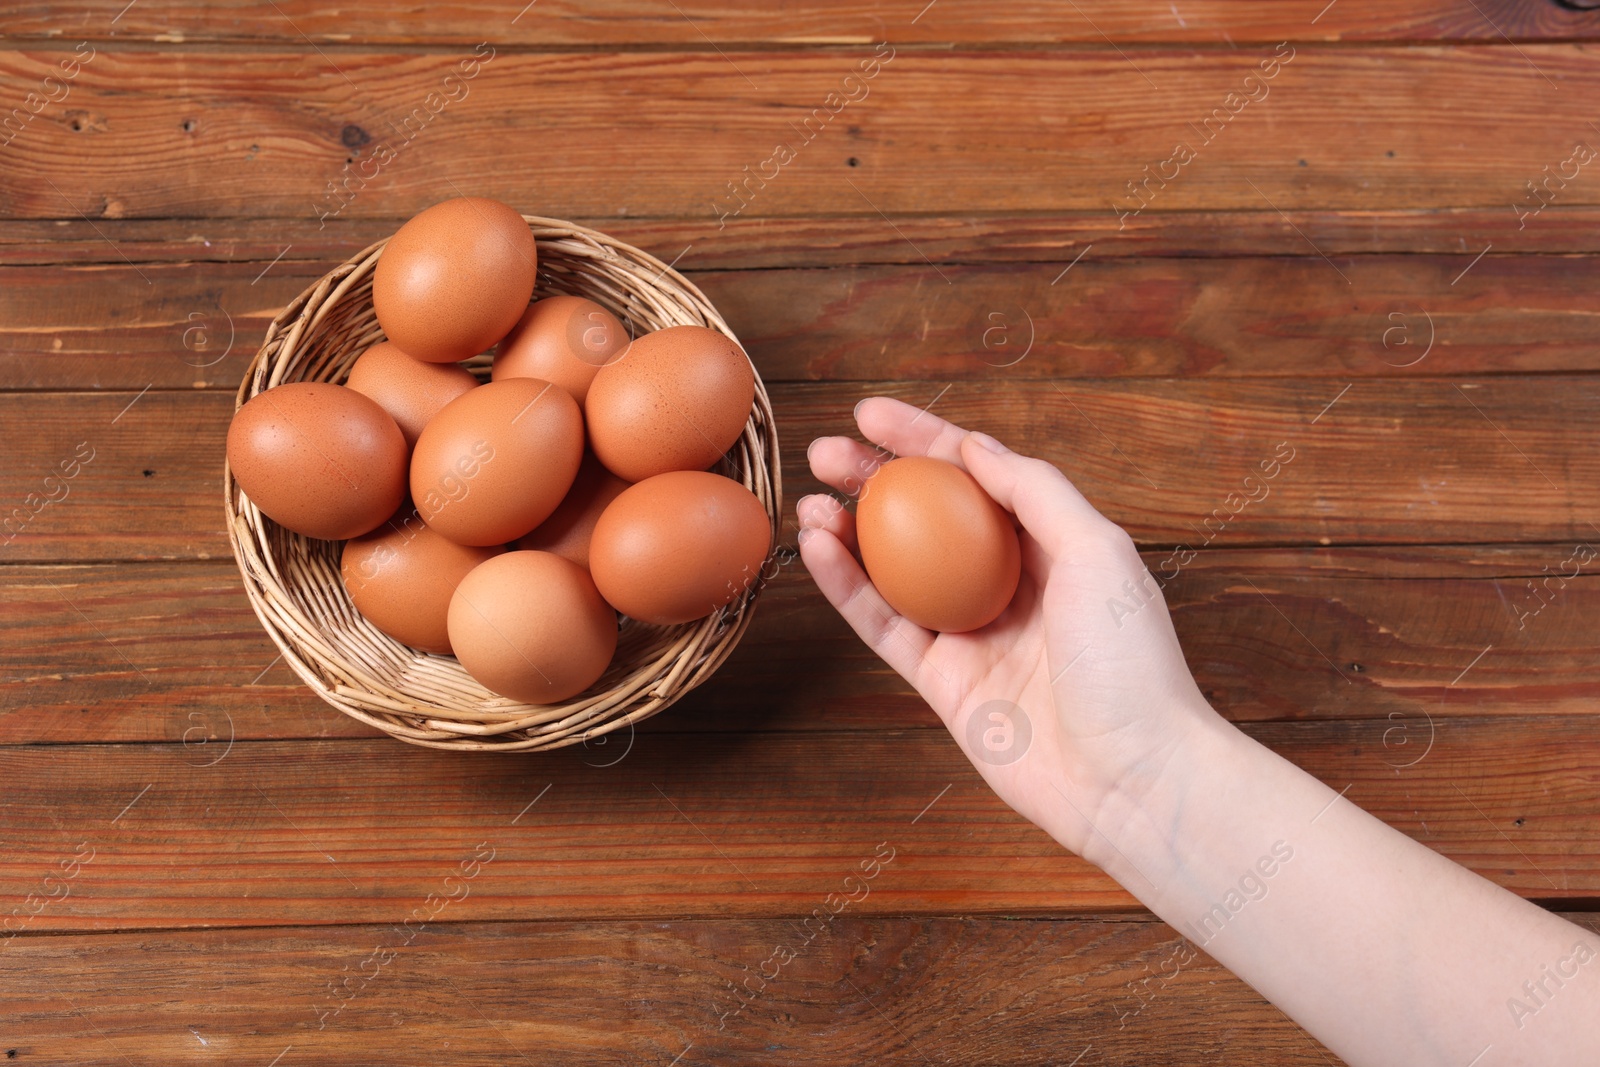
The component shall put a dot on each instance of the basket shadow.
(726, 719)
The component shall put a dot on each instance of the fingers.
(1036, 492)
(908, 431)
(1049, 506)
(822, 512)
(899, 642)
(897, 428)
(843, 463)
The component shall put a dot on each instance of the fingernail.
(856, 414)
(811, 447)
(990, 443)
(805, 534)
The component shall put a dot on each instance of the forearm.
(1380, 947)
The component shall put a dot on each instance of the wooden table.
(1344, 259)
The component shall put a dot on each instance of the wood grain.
(171, 652)
(694, 825)
(818, 22)
(1401, 315)
(1410, 461)
(699, 244)
(263, 133)
(897, 991)
(198, 324)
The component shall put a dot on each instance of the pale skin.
(1381, 948)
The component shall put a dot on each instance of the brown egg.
(678, 546)
(402, 575)
(568, 529)
(411, 391)
(942, 553)
(454, 279)
(675, 401)
(497, 460)
(562, 339)
(319, 459)
(532, 627)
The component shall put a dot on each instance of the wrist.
(1140, 825)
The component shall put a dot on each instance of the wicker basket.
(293, 581)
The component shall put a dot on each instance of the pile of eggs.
(508, 523)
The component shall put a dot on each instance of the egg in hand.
(936, 546)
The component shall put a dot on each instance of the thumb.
(1047, 505)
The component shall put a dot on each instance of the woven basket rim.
(429, 700)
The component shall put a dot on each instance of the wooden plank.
(172, 652)
(818, 22)
(1399, 650)
(146, 467)
(694, 825)
(125, 327)
(146, 134)
(699, 244)
(1168, 317)
(198, 324)
(955, 990)
(1395, 461)
(1409, 461)
(167, 652)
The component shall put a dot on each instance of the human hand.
(1104, 691)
